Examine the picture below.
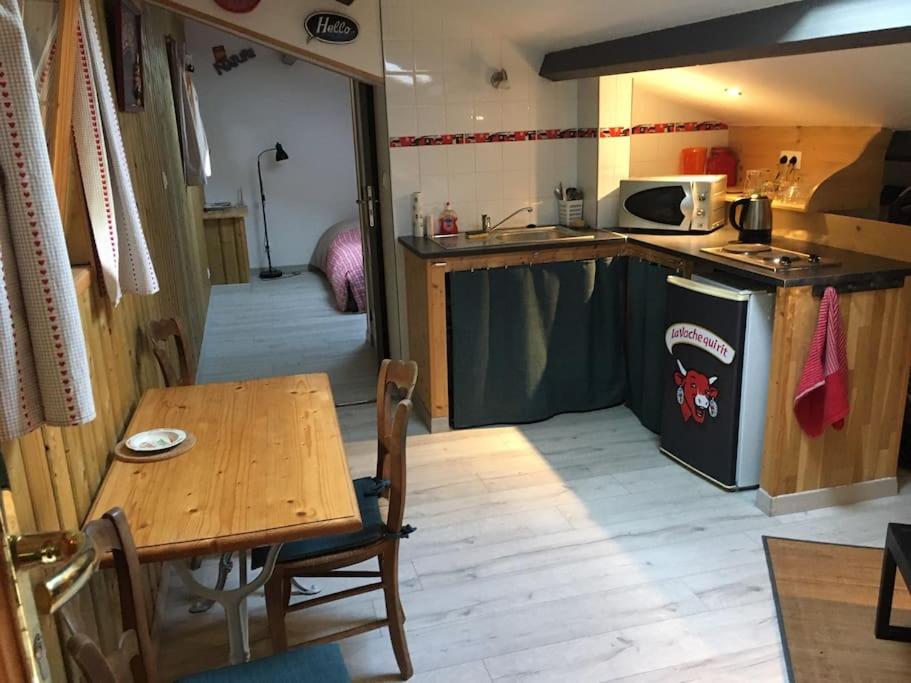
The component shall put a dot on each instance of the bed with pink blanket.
(339, 256)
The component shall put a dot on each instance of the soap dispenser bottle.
(449, 221)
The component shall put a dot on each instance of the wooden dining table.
(268, 467)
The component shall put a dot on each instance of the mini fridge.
(717, 344)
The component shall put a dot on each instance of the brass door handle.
(54, 547)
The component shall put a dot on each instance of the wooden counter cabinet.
(859, 461)
(226, 245)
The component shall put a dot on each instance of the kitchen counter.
(426, 248)
(854, 267)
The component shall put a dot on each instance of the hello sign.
(331, 27)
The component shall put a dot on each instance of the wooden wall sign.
(225, 62)
(126, 21)
(331, 27)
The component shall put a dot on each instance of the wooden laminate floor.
(568, 550)
(267, 328)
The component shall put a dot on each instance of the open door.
(363, 112)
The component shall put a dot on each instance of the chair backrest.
(134, 659)
(395, 383)
(394, 445)
(160, 331)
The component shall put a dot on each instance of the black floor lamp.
(280, 155)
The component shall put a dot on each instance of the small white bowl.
(156, 440)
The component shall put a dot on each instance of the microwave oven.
(675, 203)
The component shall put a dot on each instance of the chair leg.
(394, 612)
(277, 592)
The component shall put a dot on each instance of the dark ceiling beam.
(790, 29)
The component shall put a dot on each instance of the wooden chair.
(160, 331)
(328, 557)
(135, 659)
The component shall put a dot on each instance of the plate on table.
(156, 440)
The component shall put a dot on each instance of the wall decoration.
(126, 32)
(331, 27)
(238, 6)
(225, 62)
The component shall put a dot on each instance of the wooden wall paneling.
(60, 105)
(418, 332)
(214, 255)
(15, 470)
(243, 253)
(878, 327)
(61, 482)
(76, 219)
(41, 490)
(229, 249)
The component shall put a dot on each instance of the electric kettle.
(755, 224)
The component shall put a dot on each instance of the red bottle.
(722, 161)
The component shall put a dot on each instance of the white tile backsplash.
(461, 158)
(400, 89)
(439, 60)
(488, 117)
(516, 185)
(517, 155)
(434, 188)
(434, 160)
(490, 185)
(427, 55)
(459, 118)
(462, 188)
(489, 157)
(431, 118)
(428, 88)
(403, 120)
(398, 56)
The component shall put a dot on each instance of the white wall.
(614, 113)
(659, 153)
(248, 109)
(283, 21)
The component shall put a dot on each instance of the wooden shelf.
(842, 167)
(227, 212)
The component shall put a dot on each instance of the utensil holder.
(569, 210)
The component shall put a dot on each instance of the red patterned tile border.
(553, 134)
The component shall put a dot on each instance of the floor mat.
(826, 599)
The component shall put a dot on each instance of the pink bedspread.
(345, 270)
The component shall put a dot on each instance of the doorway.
(293, 148)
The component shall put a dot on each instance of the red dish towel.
(821, 398)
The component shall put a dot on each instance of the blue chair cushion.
(373, 530)
(315, 663)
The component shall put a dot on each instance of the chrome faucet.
(485, 219)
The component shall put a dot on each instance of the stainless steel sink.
(504, 236)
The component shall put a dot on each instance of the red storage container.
(692, 160)
(722, 161)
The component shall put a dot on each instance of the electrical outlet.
(791, 153)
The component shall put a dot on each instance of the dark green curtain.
(645, 323)
(529, 342)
